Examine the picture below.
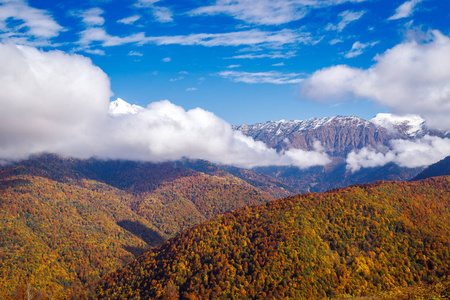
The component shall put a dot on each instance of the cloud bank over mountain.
(405, 153)
(412, 77)
(58, 102)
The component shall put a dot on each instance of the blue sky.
(243, 60)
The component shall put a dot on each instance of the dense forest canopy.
(359, 240)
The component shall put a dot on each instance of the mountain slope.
(75, 220)
(169, 195)
(438, 169)
(58, 237)
(354, 241)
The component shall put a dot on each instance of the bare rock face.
(338, 135)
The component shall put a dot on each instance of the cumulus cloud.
(262, 77)
(405, 10)
(57, 102)
(405, 153)
(50, 101)
(164, 131)
(413, 77)
(35, 25)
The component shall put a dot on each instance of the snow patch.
(121, 107)
(410, 124)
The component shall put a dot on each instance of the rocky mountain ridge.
(339, 135)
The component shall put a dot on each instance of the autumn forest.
(89, 229)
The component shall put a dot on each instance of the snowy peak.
(338, 134)
(120, 107)
(283, 126)
(411, 125)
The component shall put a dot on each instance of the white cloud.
(97, 34)
(336, 41)
(306, 159)
(281, 64)
(263, 77)
(129, 20)
(35, 23)
(233, 66)
(50, 101)
(239, 38)
(92, 17)
(358, 47)
(346, 18)
(405, 10)
(232, 39)
(273, 55)
(192, 89)
(266, 12)
(164, 131)
(160, 13)
(135, 53)
(145, 3)
(94, 51)
(56, 102)
(413, 77)
(166, 59)
(405, 153)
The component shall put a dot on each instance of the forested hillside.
(359, 240)
(66, 222)
(57, 237)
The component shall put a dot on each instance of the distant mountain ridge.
(339, 134)
(441, 168)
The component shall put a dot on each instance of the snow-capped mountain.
(339, 135)
(410, 125)
(121, 107)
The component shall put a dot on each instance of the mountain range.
(338, 136)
